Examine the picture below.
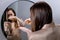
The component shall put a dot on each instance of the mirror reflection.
(17, 14)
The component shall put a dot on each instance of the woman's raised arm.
(28, 31)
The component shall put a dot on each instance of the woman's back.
(44, 34)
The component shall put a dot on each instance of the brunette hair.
(8, 9)
(41, 14)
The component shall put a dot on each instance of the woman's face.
(9, 13)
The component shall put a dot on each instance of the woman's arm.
(20, 21)
(28, 31)
(5, 26)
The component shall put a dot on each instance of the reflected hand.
(12, 18)
(6, 24)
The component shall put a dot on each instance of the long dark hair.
(41, 14)
(3, 19)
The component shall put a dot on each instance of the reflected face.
(10, 13)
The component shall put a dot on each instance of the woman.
(10, 24)
(41, 23)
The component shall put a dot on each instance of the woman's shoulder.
(43, 34)
(45, 30)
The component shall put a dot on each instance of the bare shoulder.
(42, 34)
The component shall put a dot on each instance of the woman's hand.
(28, 21)
(12, 18)
(6, 25)
(19, 21)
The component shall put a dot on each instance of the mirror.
(22, 10)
